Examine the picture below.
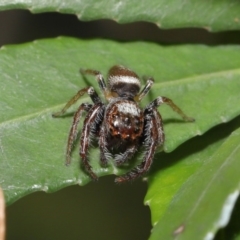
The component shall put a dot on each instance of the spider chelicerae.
(120, 125)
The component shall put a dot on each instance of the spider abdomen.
(125, 120)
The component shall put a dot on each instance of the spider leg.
(158, 101)
(73, 131)
(104, 153)
(145, 90)
(92, 120)
(122, 158)
(153, 137)
(99, 78)
(71, 102)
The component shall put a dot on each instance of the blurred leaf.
(195, 197)
(213, 15)
(38, 78)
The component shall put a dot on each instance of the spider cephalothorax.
(120, 125)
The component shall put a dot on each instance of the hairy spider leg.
(158, 101)
(71, 102)
(92, 120)
(99, 78)
(154, 137)
(122, 158)
(145, 90)
(89, 126)
(103, 146)
(73, 131)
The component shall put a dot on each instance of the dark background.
(21, 26)
(101, 210)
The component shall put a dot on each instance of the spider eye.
(123, 81)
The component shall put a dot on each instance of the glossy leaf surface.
(38, 78)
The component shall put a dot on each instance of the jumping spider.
(120, 125)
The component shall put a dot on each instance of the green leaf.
(38, 78)
(213, 15)
(195, 197)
